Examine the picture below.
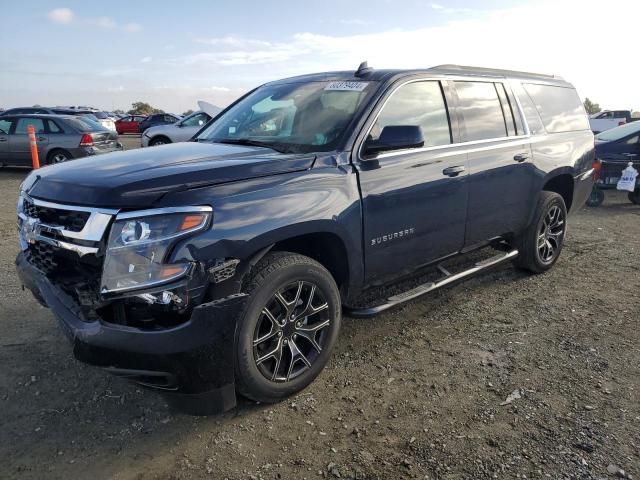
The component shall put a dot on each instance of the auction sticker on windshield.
(347, 86)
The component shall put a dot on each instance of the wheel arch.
(51, 152)
(561, 181)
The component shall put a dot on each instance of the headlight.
(139, 243)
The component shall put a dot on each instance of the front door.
(19, 146)
(414, 200)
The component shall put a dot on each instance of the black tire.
(58, 156)
(541, 243)
(634, 197)
(596, 198)
(154, 142)
(273, 378)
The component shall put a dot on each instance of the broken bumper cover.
(191, 364)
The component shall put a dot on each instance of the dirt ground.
(415, 393)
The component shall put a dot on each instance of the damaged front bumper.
(190, 363)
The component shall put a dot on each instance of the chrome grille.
(69, 219)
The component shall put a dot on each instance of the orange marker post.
(34, 147)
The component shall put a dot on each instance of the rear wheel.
(539, 246)
(58, 156)
(596, 198)
(634, 197)
(289, 327)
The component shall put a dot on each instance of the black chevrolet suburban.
(223, 265)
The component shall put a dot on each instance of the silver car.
(58, 137)
(181, 131)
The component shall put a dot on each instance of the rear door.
(19, 146)
(501, 173)
(5, 128)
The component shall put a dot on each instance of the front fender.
(251, 216)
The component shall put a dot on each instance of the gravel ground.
(504, 376)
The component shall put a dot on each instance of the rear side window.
(53, 127)
(23, 123)
(5, 125)
(418, 103)
(481, 110)
(560, 108)
(529, 110)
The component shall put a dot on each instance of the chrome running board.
(425, 288)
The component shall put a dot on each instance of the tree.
(188, 112)
(591, 107)
(143, 108)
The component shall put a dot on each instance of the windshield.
(291, 117)
(100, 115)
(619, 132)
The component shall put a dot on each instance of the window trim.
(445, 82)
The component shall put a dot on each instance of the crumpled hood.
(137, 178)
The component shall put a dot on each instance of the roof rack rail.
(494, 71)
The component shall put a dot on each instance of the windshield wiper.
(255, 143)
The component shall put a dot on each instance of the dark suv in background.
(224, 264)
(157, 119)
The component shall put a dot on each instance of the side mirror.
(395, 137)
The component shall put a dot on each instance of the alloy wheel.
(291, 331)
(551, 234)
(59, 158)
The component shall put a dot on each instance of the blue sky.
(173, 53)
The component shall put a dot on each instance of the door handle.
(453, 171)
(521, 157)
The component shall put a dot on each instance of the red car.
(129, 124)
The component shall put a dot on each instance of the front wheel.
(634, 197)
(159, 141)
(539, 246)
(288, 328)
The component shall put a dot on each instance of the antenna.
(363, 70)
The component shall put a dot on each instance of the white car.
(181, 131)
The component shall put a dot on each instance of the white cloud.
(146, 59)
(132, 27)
(61, 15)
(219, 89)
(488, 38)
(104, 22)
(449, 10)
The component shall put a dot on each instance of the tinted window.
(53, 127)
(560, 108)
(5, 125)
(23, 123)
(84, 125)
(529, 109)
(169, 119)
(619, 132)
(481, 110)
(417, 104)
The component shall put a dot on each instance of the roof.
(444, 70)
